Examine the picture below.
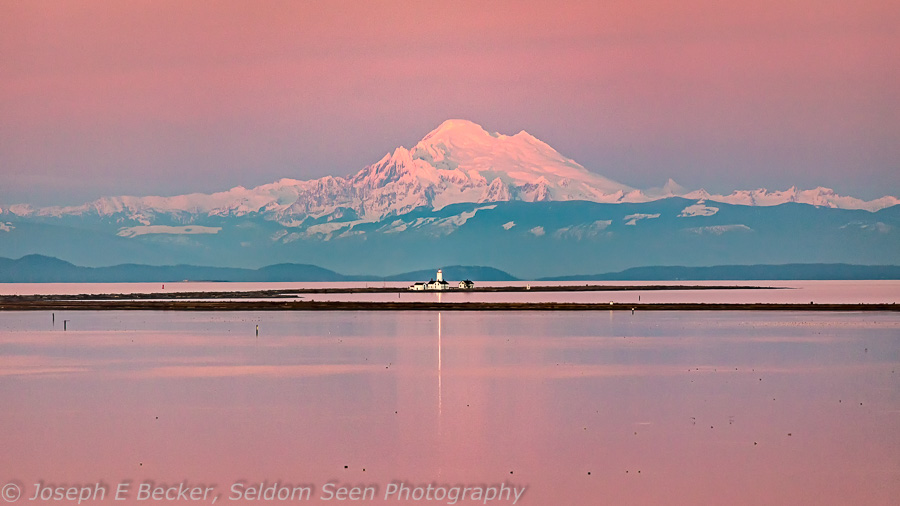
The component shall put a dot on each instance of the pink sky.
(104, 98)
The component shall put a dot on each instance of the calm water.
(580, 408)
(851, 292)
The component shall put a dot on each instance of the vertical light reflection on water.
(440, 401)
(440, 388)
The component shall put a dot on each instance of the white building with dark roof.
(433, 285)
(439, 283)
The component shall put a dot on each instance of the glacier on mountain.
(632, 219)
(719, 229)
(698, 209)
(582, 231)
(165, 229)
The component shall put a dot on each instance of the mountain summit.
(458, 162)
(461, 162)
(516, 160)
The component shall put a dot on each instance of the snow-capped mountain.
(824, 197)
(458, 162)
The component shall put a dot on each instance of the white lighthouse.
(434, 284)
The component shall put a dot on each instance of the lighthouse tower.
(440, 276)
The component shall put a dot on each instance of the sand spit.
(297, 292)
(6, 304)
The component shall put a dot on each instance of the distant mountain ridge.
(462, 196)
(789, 272)
(455, 273)
(458, 162)
(530, 239)
(42, 269)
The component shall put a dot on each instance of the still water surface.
(581, 408)
(801, 292)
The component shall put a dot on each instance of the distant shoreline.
(291, 300)
(273, 305)
(290, 292)
(35, 268)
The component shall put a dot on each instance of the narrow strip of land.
(277, 305)
(293, 292)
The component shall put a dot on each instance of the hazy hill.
(746, 272)
(43, 269)
(455, 273)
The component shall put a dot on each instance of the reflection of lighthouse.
(440, 388)
(440, 421)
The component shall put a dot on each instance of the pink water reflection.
(818, 291)
(582, 408)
